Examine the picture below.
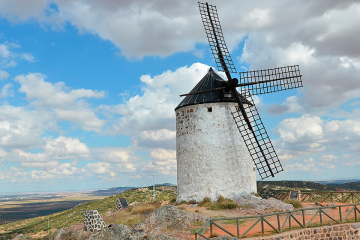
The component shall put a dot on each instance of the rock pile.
(249, 200)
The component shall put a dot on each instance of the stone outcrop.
(165, 218)
(245, 199)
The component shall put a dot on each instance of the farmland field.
(15, 209)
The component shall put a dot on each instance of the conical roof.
(210, 81)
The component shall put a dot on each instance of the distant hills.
(110, 191)
(334, 185)
(338, 181)
(349, 185)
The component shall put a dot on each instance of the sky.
(88, 88)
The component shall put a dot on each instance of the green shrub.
(293, 202)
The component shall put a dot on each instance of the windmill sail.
(215, 37)
(257, 140)
(270, 80)
(246, 116)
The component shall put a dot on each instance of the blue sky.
(88, 88)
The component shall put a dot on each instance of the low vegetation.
(221, 203)
(295, 203)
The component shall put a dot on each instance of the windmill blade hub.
(231, 84)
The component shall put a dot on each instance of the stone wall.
(349, 231)
(121, 203)
(93, 221)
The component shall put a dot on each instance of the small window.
(209, 109)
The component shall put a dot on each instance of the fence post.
(355, 213)
(211, 229)
(262, 226)
(340, 214)
(320, 217)
(290, 221)
(278, 219)
(238, 228)
(303, 215)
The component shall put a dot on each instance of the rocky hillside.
(41, 226)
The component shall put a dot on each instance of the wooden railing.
(284, 221)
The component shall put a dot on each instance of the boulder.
(19, 237)
(116, 232)
(166, 218)
(248, 200)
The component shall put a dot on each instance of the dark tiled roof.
(210, 81)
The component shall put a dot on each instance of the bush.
(293, 202)
(205, 202)
(221, 203)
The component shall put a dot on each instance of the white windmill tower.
(213, 158)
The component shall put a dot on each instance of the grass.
(132, 215)
(295, 203)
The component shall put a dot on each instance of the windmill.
(209, 169)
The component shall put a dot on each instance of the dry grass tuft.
(293, 202)
(221, 203)
(205, 202)
(132, 215)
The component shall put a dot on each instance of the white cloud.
(308, 135)
(28, 57)
(46, 165)
(101, 169)
(22, 128)
(300, 167)
(328, 158)
(150, 118)
(67, 104)
(66, 147)
(3, 75)
(9, 58)
(4, 51)
(305, 127)
(6, 91)
(115, 155)
(156, 27)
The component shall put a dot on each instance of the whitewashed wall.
(212, 158)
